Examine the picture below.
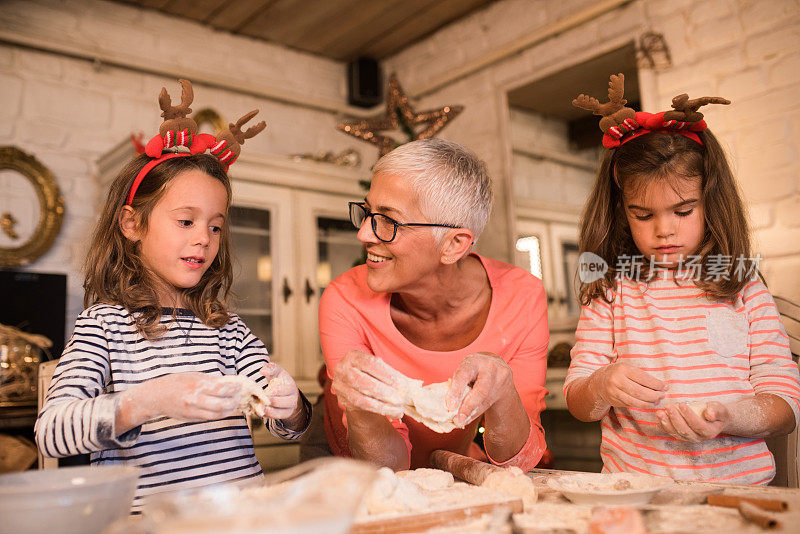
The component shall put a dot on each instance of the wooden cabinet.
(547, 246)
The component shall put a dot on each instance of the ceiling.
(337, 29)
(553, 94)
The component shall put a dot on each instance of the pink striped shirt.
(704, 350)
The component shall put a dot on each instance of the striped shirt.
(704, 350)
(106, 355)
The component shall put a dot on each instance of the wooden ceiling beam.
(233, 16)
(414, 28)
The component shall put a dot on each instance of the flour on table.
(428, 479)
(514, 482)
(253, 399)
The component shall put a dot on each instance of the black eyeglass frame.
(395, 224)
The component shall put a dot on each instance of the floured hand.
(188, 397)
(490, 378)
(682, 422)
(365, 382)
(282, 392)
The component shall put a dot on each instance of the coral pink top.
(704, 350)
(353, 317)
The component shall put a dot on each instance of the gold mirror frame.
(51, 207)
(210, 116)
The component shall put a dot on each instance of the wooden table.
(692, 494)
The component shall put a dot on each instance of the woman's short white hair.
(451, 182)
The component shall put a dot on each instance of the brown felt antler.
(614, 111)
(234, 134)
(176, 116)
(686, 110)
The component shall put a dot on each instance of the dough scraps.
(514, 482)
(253, 399)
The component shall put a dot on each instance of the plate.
(609, 488)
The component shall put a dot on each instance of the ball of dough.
(513, 481)
(699, 408)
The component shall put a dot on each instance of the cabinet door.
(260, 223)
(327, 247)
(549, 250)
(564, 244)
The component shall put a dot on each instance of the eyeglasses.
(384, 228)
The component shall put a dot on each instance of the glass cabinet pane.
(570, 255)
(252, 282)
(337, 249)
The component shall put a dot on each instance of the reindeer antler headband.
(178, 137)
(621, 124)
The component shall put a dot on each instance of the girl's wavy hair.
(604, 229)
(115, 273)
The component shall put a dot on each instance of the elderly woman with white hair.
(426, 306)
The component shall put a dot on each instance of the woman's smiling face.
(413, 253)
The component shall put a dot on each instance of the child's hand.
(621, 385)
(683, 423)
(282, 392)
(191, 397)
(365, 382)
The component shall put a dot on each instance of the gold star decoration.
(399, 113)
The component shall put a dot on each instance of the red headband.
(620, 124)
(179, 137)
(645, 123)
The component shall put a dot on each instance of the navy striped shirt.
(106, 355)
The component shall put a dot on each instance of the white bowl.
(315, 497)
(599, 488)
(70, 500)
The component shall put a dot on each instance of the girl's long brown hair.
(604, 228)
(115, 273)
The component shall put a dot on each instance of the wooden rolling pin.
(467, 469)
(732, 501)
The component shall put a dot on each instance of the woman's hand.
(284, 396)
(365, 382)
(680, 421)
(622, 385)
(491, 380)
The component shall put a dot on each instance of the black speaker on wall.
(366, 85)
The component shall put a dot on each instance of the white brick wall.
(67, 111)
(746, 50)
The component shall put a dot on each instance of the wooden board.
(417, 522)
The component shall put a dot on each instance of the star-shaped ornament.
(399, 113)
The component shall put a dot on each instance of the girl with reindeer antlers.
(157, 368)
(680, 350)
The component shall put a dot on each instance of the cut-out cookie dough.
(253, 400)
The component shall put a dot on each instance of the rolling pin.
(467, 469)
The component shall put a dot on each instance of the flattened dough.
(428, 479)
(426, 405)
(253, 400)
